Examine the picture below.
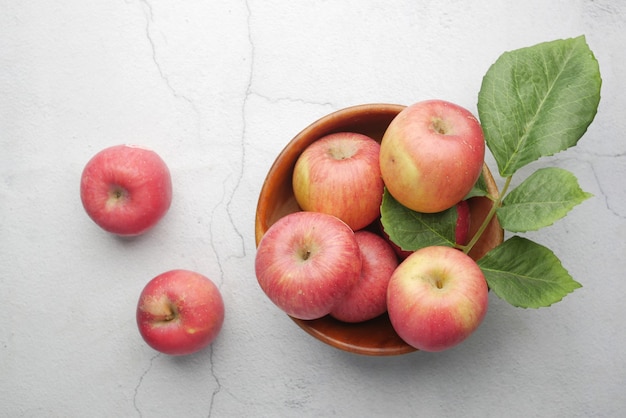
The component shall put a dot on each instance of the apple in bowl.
(367, 299)
(431, 155)
(436, 298)
(340, 175)
(307, 262)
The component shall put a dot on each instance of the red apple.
(367, 299)
(306, 262)
(462, 223)
(339, 174)
(180, 312)
(436, 298)
(431, 155)
(126, 189)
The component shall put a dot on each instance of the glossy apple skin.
(431, 155)
(180, 312)
(339, 174)
(367, 299)
(126, 189)
(461, 232)
(306, 262)
(436, 298)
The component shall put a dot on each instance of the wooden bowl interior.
(375, 337)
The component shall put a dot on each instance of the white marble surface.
(218, 88)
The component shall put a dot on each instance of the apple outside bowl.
(375, 337)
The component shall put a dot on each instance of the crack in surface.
(218, 388)
(220, 267)
(139, 383)
(244, 130)
(291, 100)
(149, 14)
(604, 195)
(215, 244)
(248, 93)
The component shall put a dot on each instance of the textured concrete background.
(218, 88)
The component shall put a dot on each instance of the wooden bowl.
(375, 337)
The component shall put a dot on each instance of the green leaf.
(537, 101)
(544, 197)
(526, 274)
(412, 230)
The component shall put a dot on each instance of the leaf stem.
(496, 204)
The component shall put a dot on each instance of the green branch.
(496, 204)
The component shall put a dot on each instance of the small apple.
(431, 155)
(339, 174)
(126, 189)
(367, 299)
(436, 298)
(306, 262)
(461, 231)
(180, 312)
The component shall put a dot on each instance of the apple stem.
(496, 204)
(117, 194)
(305, 254)
(439, 126)
(172, 314)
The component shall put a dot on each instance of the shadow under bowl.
(375, 337)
